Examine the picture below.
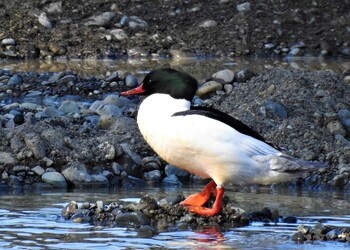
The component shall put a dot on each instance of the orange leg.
(198, 199)
(195, 201)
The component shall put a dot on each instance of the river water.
(32, 220)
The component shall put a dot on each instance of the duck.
(207, 142)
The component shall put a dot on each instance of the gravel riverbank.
(109, 29)
(60, 129)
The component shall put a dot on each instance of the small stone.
(105, 19)
(208, 24)
(135, 21)
(36, 145)
(208, 88)
(8, 41)
(244, 75)
(224, 76)
(273, 109)
(69, 210)
(335, 127)
(54, 8)
(299, 237)
(243, 7)
(14, 80)
(7, 158)
(69, 107)
(56, 179)
(347, 79)
(344, 117)
(172, 170)
(20, 168)
(18, 119)
(171, 180)
(53, 112)
(131, 81)
(44, 20)
(31, 106)
(77, 174)
(153, 175)
(296, 52)
(119, 34)
(38, 170)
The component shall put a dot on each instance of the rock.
(244, 75)
(18, 119)
(243, 7)
(69, 210)
(132, 219)
(66, 79)
(38, 170)
(44, 20)
(105, 121)
(69, 107)
(36, 145)
(107, 150)
(119, 34)
(120, 101)
(208, 88)
(135, 21)
(105, 19)
(76, 173)
(54, 8)
(171, 180)
(31, 106)
(20, 168)
(335, 127)
(298, 237)
(344, 117)
(7, 158)
(14, 80)
(131, 81)
(208, 24)
(224, 76)
(8, 41)
(296, 52)
(153, 176)
(56, 179)
(273, 109)
(53, 112)
(333, 234)
(172, 170)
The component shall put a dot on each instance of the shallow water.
(201, 68)
(32, 221)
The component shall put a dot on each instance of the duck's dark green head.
(169, 81)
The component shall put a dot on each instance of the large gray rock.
(7, 158)
(56, 179)
(77, 174)
(36, 145)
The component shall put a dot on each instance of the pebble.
(119, 34)
(7, 158)
(69, 107)
(208, 88)
(135, 21)
(8, 41)
(172, 170)
(243, 7)
(14, 80)
(44, 20)
(56, 179)
(224, 76)
(131, 81)
(208, 24)
(38, 170)
(53, 112)
(153, 176)
(294, 52)
(244, 75)
(171, 180)
(105, 19)
(36, 145)
(273, 109)
(76, 173)
(344, 117)
(335, 127)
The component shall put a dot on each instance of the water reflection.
(200, 68)
(32, 221)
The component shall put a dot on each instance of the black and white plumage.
(205, 141)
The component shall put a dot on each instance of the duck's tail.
(288, 164)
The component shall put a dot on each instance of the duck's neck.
(160, 106)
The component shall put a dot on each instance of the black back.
(224, 118)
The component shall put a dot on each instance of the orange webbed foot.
(198, 199)
(195, 201)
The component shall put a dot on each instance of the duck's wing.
(226, 119)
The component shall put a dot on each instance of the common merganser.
(207, 142)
